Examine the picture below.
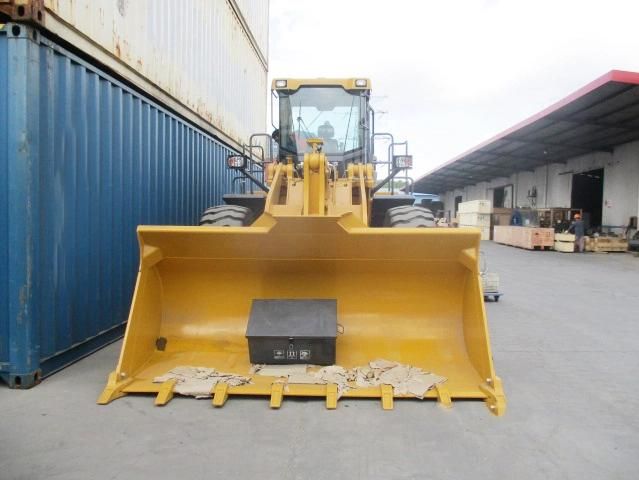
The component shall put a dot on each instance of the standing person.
(577, 227)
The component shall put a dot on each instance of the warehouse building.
(582, 152)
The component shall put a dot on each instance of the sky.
(448, 75)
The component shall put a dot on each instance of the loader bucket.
(407, 295)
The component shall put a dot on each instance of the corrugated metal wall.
(83, 161)
(4, 210)
(205, 59)
(256, 14)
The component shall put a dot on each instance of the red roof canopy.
(597, 117)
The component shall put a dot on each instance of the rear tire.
(226, 216)
(409, 216)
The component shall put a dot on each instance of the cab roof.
(295, 83)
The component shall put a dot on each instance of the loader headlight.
(403, 161)
(280, 83)
(236, 162)
(360, 82)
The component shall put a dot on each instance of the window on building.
(503, 197)
(458, 200)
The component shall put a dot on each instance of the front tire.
(226, 216)
(409, 216)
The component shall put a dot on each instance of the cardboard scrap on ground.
(405, 379)
(380, 363)
(334, 374)
(199, 381)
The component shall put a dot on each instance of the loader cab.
(336, 111)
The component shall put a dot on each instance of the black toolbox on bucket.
(282, 331)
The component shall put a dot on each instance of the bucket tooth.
(114, 389)
(495, 399)
(220, 394)
(331, 396)
(165, 393)
(443, 396)
(387, 397)
(277, 393)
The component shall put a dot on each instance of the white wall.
(621, 185)
(620, 193)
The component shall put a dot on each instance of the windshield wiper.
(300, 122)
(348, 125)
(315, 119)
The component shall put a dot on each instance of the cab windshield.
(330, 113)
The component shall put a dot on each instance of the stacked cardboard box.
(476, 214)
(475, 206)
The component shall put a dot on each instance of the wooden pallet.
(565, 247)
(565, 237)
(564, 242)
(606, 244)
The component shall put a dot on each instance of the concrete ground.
(566, 343)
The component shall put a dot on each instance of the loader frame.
(313, 240)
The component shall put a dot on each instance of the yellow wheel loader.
(319, 267)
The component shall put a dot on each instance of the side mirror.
(403, 161)
(236, 162)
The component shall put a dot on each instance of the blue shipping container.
(83, 160)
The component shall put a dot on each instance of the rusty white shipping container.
(205, 59)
